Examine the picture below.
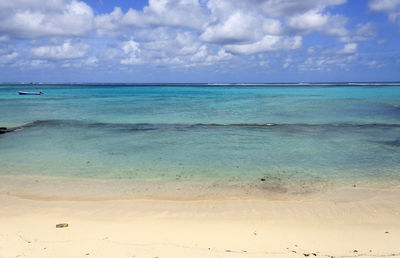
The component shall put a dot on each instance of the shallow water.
(289, 138)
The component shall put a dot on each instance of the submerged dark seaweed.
(392, 143)
(181, 126)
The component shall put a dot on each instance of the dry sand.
(343, 223)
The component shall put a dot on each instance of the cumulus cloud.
(109, 23)
(362, 32)
(390, 7)
(163, 47)
(241, 30)
(181, 32)
(272, 26)
(287, 62)
(289, 8)
(204, 57)
(36, 63)
(349, 48)
(131, 51)
(91, 61)
(26, 19)
(222, 55)
(172, 13)
(315, 21)
(67, 50)
(4, 38)
(310, 20)
(326, 63)
(180, 13)
(238, 27)
(8, 58)
(267, 43)
(306, 16)
(249, 27)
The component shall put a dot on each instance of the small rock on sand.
(62, 225)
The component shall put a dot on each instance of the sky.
(220, 41)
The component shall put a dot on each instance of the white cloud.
(242, 28)
(327, 59)
(311, 50)
(222, 55)
(349, 48)
(374, 64)
(164, 42)
(384, 5)
(109, 23)
(8, 58)
(4, 38)
(306, 16)
(272, 26)
(180, 13)
(248, 27)
(267, 43)
(314, 20)
(182, 32)
(32, 19)
(203, 57)
(169, 13)
(38, 63)
(67, 50)
(238, 27)
(310, 20)
(287, 63)
(162, 47)
(381, 41)
(324, 63)
(390, 7)
(362, 32)
(91, 61)
(287, 8)
(131, 51)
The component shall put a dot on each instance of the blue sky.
(199, 40)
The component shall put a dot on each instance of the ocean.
(269, 139)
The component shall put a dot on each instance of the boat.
(29, 93)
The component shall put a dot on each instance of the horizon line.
(205, 83)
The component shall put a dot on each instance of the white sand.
(345, 223)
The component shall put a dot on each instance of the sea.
(256, 138)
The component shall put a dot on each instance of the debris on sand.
(62, 225)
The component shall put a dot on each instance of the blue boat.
(29, 93)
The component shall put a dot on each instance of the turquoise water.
(285, 135)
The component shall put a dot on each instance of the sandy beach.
(343, 223)
(199, 128)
